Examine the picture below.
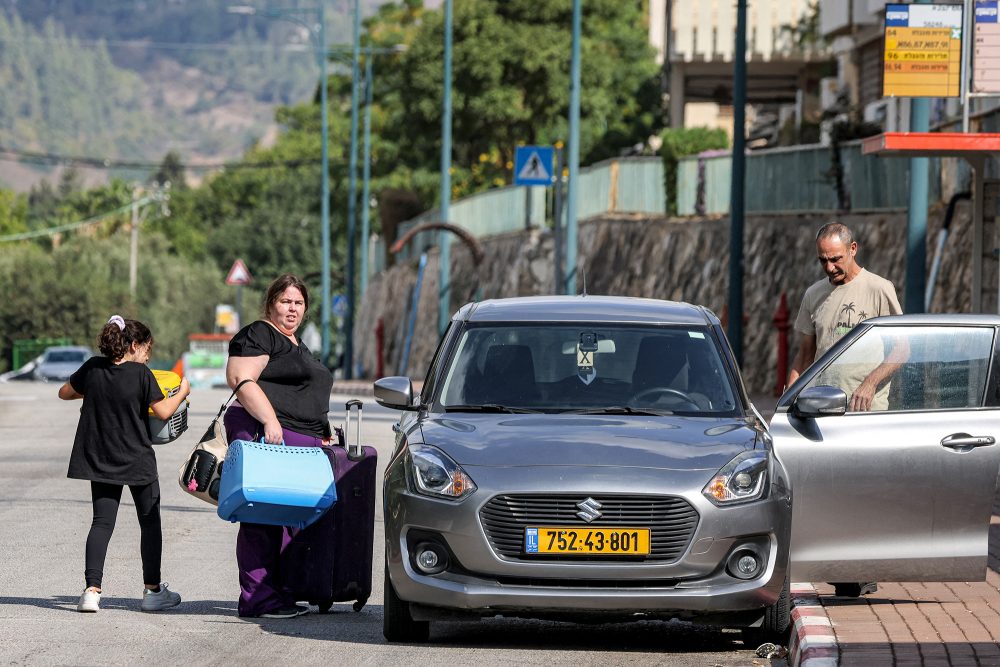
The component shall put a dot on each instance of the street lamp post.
(573, 186)
(444, 237)
(319, 31)
(366, 172)
(352, 197)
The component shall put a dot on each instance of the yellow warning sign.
(923, 50)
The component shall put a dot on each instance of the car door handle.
(966, 441)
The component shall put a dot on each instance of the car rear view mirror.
(604, 346)
(394, 392)
(821, 401)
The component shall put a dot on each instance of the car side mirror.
(394, 392)
(821, 401)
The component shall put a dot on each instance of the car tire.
(777, 618)
(397, 623)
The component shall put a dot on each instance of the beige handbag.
(199, 474)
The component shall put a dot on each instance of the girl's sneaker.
(90, 601)
(159, 600)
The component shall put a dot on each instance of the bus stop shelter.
(975, 148)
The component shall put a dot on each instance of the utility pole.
(736, 197)
(366, 174)
(573, 187)
(133, 260)
(352, 197)
(325, 317)
(916, 219)
(444, 237)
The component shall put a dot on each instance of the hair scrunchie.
(118, 321)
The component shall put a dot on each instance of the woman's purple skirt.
(259, 548)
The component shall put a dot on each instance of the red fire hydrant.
(782, 322)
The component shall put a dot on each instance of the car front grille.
(671, 520)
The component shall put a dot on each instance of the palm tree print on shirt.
(845, 311)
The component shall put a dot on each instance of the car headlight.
(742, 479)
(436, 474)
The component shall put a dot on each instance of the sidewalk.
(902, 624)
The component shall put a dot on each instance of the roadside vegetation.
(510, 86)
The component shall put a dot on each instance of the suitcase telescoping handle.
(357, 452)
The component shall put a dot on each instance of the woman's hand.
(273, 433)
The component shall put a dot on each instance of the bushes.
(680, 142)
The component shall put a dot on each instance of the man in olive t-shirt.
(833, 306)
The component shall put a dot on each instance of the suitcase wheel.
(324, 606)
(359, 604)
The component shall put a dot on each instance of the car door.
(902, 492)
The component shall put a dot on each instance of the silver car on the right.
(597, 458)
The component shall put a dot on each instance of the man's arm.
(806, 355)
(861, 399)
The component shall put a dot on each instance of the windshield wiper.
(489, 407)
(621, 410)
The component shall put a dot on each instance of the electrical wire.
(93, 220)
(43, 158)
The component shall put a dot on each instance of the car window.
(922, 368)
(66, 356)
(559, 367)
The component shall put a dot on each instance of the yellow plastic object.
(170, 384)
(162, 431)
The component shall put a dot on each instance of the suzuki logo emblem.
(590, 510)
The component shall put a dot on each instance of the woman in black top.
(113, 449)
(288, 402)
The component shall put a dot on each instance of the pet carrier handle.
(358, 451)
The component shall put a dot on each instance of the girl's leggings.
(106, 498)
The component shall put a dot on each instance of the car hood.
(675, 443)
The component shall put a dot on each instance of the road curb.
(813, 642)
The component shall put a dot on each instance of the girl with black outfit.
(112, 449)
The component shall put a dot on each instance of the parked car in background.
(58, 363)
(598, 458)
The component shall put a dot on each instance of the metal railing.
(632, 185)
(800, 178)
(788, 179)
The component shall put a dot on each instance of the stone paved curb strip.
(813, 642)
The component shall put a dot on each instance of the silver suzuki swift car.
(597, 458)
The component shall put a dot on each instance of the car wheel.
(397, 623)
(777, 618)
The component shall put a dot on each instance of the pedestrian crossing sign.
(533, 165)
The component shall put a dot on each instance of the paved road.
(44, 518)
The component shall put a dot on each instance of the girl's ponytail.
(118, 335)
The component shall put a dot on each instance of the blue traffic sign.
(533, 165)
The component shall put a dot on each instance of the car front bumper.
(482, 582)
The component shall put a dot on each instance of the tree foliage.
(680, 142)
(511, 82)
(511, 86)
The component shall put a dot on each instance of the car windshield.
(65, 356)
(611, 368)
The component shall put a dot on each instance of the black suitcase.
(333, 557)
